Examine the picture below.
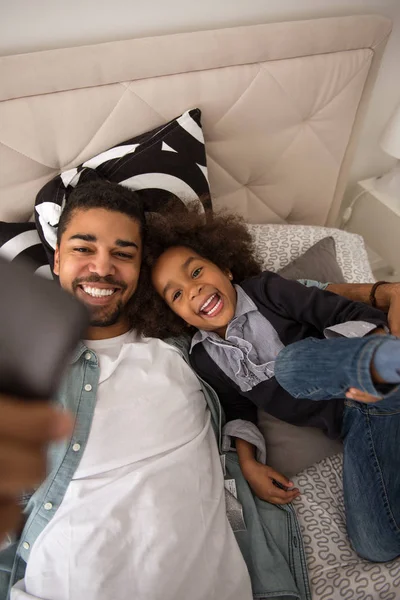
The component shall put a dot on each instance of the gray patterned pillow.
(318, 262)
(278, 245)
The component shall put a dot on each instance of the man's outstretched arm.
(26, 427)
(387, 298)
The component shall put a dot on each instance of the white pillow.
(278, 245)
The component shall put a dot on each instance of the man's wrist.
(385, 293)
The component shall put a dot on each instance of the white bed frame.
(282, 105)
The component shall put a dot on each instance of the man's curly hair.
(221, 238)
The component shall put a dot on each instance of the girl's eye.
(196, 272)
(176, 296)
(123, 255)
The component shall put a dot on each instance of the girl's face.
(195, 289)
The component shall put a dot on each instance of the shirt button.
(48, 506)
(76, 447)
(26, 545)
(88, 387)
(88, 356)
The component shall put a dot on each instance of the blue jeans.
(324, 369)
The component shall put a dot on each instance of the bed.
(282, 105)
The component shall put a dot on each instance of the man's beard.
(98, 320)
(102, 316)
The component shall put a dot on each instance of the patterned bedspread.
(335, 570)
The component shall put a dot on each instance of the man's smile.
(96, 296)
(96, 292)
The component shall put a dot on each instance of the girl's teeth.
(212, 311)
(97, 292)
(211, 298)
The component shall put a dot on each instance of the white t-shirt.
(144, 516)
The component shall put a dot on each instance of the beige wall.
(30, 25)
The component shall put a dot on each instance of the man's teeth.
(97, 292)
(211, 298)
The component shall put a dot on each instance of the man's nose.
(102, 264)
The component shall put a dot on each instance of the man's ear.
(56, 268)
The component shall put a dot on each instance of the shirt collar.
(81, 348)
(244, 305)
(77, 353)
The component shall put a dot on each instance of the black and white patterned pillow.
(167, 162)
(20, 242)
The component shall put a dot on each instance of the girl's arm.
(259, 477)
(266, 483)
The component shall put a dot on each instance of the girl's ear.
(230, 276)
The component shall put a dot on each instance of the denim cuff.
(362, 364)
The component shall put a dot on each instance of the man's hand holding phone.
(26, 428)
(40, 325)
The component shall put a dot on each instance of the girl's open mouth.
(212, 306)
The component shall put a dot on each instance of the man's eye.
(81, 250)
(176, 296)
(196, 272)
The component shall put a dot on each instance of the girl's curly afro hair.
(221, 238)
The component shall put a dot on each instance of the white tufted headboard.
(281, 107)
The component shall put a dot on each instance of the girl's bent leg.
(371, 478)
(324, 369)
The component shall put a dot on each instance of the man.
(136, 507)
(133, 505)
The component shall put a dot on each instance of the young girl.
(260, 341)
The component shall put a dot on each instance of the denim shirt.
(271, 544)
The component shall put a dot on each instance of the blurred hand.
(260, 478)
(394, 309)
(359, 396)
(377, 331)
(26, 427)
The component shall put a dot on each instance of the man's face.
(98, 261)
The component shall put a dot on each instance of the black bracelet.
(372, 299)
